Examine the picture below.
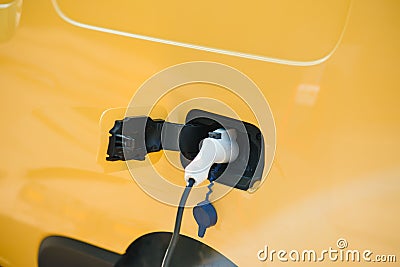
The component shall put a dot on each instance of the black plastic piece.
(66, 252)
(205, 215)
(134, 137)
(149, 251)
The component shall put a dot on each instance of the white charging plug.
(220, 148)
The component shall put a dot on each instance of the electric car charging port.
(133, 137)
(248, 167)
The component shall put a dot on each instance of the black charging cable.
(178, 221)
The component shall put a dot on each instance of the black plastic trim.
(149, 250)
(146, 251)
(66, 252)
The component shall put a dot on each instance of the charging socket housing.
(247, 168)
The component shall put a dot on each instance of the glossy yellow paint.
(312, 32)
(336, 169)
(10, 13)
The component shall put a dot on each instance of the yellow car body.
(328, 69)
